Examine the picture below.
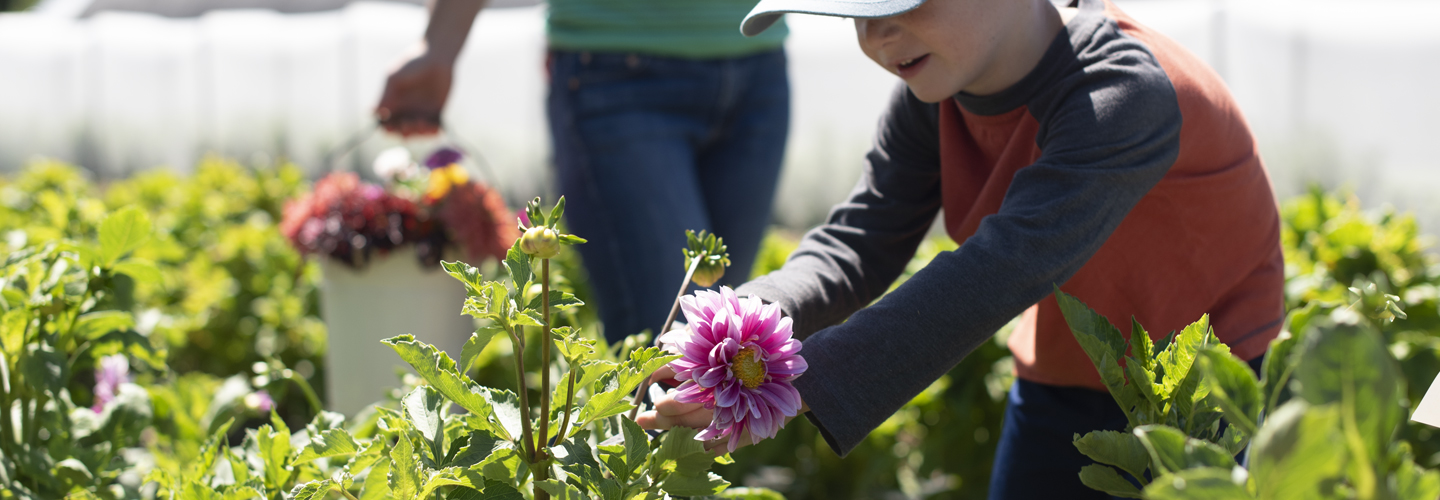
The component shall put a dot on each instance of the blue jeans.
(647, 147)
(1035, 457)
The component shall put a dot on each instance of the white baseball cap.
(768, 11)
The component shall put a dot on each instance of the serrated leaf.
(467, 275)
(503, 465)
(241, 492)
(558, 300)
(424, 406)
(404, 477)
(528, 317)
(142, 271)
(313, 490)
(1205, 483)
(559, 490)
(577, 458)
(1105, 478)
(1350, 365)
(1233, 388)
(637, 447)
(452, 476)
(438, 370)
(328, 444)
(693, 478)
(478, 446)
(122, 232)
(475, 345)
(519, 266)
(1121, 449)
(1140, 346)
(376, 484)
(494, 490)
(274, 446)
(1179, 356)
(1172, 451)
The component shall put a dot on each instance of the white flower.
(395, 164)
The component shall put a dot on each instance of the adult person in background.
(663, 118)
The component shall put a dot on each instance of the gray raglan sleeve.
(868, 239)
(1104, 151)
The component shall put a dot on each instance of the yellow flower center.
(748, 367)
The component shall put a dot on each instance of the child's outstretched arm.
(1100, 157)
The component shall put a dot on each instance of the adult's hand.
(416, 90)
(415, 93)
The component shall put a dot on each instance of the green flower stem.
(669, 320)
(527, 441)
(347, 494)
(569, 400)
(545, 346)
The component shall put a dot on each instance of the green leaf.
(750, 494)
(377, 485)
(93, 325)
(693, 478)
(574, 348)
(211, 450)
(611, 392)
(1123, 450)
(12, 331)
(559, 490)
(1277, 370)
(1297, 452)
(570, 239)
(121, 233)
(424, 406)
(313, 490)
(1179, 356)
(142, 271)
(468, 275)
(42, 369)
(494, 490)
(504, 465)
(404, 477)
(1105, 478)
(558, 300)
(438, 370)
(1350, 365)
(519, 266)
(1144, 384)
(556, 212)
(452, 476)
(1197, 484)
(275, 451)
(475, 345)
(1093, 331)
(1172, 451)
(637, 448)
(528, 317)
(578, 459)
(677, 443)
(1233, 388)
(1140, 346)
(1413, 482)
(328, 444)
(238, 492)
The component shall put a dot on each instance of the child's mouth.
(911, 66)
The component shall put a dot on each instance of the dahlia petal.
(709, 433)
(783, 396)
(780, 334)
(793, 365)
(713, 376)
(769, 318)
(691, 310)
(730, 299)
(726, 395)
(787, 349)
(690, 392)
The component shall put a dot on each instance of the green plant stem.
(669, 320)
(347, 494)
(309, 392)
(526, 440)
(569, 400)
(545, 345)
(1365, 481)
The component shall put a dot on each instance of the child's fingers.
(664, 373)
(656, 421)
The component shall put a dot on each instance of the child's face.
(946, 46)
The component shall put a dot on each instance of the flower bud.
(708, 273)
(541, 242)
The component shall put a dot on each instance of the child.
(1064, 146)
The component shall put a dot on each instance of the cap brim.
(768, 11)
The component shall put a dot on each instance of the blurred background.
(1336, 93)
(217, 92)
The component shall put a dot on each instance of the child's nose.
(874, 32)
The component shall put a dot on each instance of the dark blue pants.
(647, 147)
(1035, 457)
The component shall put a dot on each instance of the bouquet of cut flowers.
(432, 208)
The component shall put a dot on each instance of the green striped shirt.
(681, 28)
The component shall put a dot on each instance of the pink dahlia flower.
(738, 359)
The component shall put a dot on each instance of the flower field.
(162, 337)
